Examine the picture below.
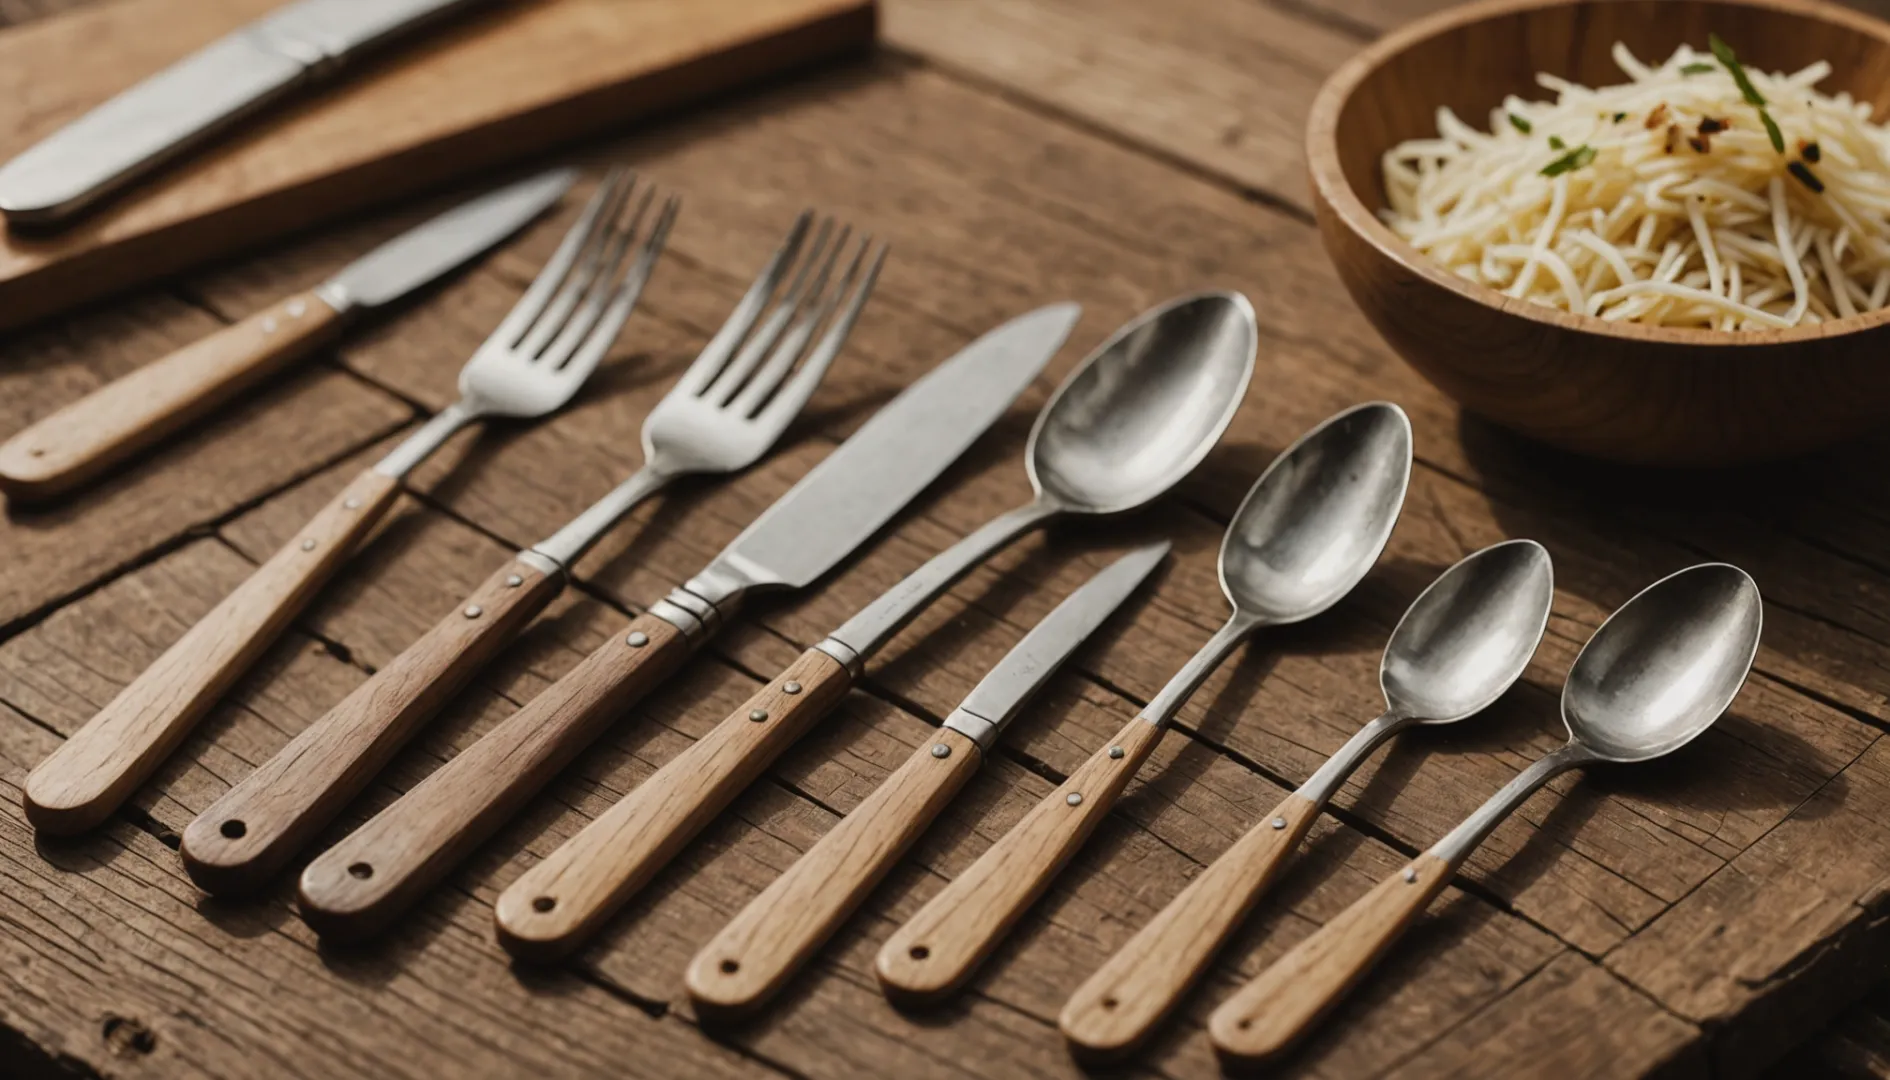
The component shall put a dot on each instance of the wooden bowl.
(1626, 392)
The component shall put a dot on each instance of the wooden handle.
(1118, 1007)
(356, 888)
(92, 773)
(251, 831)
(755, 955)
(935, 953)
(555, 905)
(89, 436)
(1282, 1003)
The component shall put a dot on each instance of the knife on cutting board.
(192, 100)
(85, 438)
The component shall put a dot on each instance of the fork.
(532, 364)
(728, 408)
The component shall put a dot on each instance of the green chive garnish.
(1806, 176)
(1620, 116)
(1556, 143)
(1698, 67)
(1772, 132)
(1520, 124)
(1574, 159)
(1737, 70)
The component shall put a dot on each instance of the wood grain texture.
(751, 958)
(1274, 1011)
(473, 93)
(357, 887)
(1618, 390)
(559, 903)
(84, 439)
(1116, 1009)
(237, 844)
(94, 771)
(938, 949)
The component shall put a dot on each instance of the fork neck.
(431, 436)
(569, 543)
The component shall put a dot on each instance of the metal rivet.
(269, 325)
(1279, 823)
(513, 581)
(1115, 752)
(638, 639)
(1410, 875)
(758, 715)
(473, 611)
(352, 504)
(308, 545)
(296, 309)
(791, 688)
(1074, 799)
(940, 750)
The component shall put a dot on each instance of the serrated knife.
(355, 888)
(86, 438)
(192, 100)
(752, 957)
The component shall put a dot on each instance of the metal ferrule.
(431, 436)
(976, 728)
(843, 654)
(1168, 701)
(544, 565)
(1323, 784)
(703, 603)
(1462, 840)
(335, 295)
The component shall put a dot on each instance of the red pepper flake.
(1699, 144)
(1657, 117)
(1810, 152)
(1673, 137)
(1710, 126)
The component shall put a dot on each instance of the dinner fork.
(728, 408)
(532, 364)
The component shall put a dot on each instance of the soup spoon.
(1313, 524)
(1463, 642)
(1127, 425)
(1654, 676)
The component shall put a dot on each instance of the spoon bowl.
(1143, 410)
(1469, 636)
(1318, 518)
(1665, 665)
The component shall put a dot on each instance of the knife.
(749, 961)
(193, 99)
(89, 436)
(355, 888)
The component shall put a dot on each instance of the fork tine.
(788, 402)
(526, 311)
(722, 346)
(723, 389)
(603, 284)
(820, 301)
(604, 334)
(589, 266)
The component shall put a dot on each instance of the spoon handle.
(755, 955)
(1279, 1006)
(934, 953)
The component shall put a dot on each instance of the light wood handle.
(89, 436)
(935, 953)
(356, 888)
(1282, 1003)
(1119, 1006)
(96, 770)
(756, 954)
(555, 905)
(249, 833)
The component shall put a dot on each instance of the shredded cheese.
(1661, 200)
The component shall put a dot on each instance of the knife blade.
(85, 438)
(192, 100)
(752, 957)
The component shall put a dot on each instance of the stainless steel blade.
(430, 249)
(903, 448)
(999, 695)
(194, 98)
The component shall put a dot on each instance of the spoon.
(1654, 676)
(1133, 419)
(1313, 524)
(1460, 645)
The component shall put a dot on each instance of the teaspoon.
(1655, 675)
(1463, 642)
(1309, 529)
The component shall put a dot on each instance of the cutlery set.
(1128, 424)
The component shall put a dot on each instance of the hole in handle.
(730, 967)
(544, 903)
(919, 952)
(361, 870)
(234, 829)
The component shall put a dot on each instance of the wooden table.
(1698, 916)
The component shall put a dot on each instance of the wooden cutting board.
(494, 85)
